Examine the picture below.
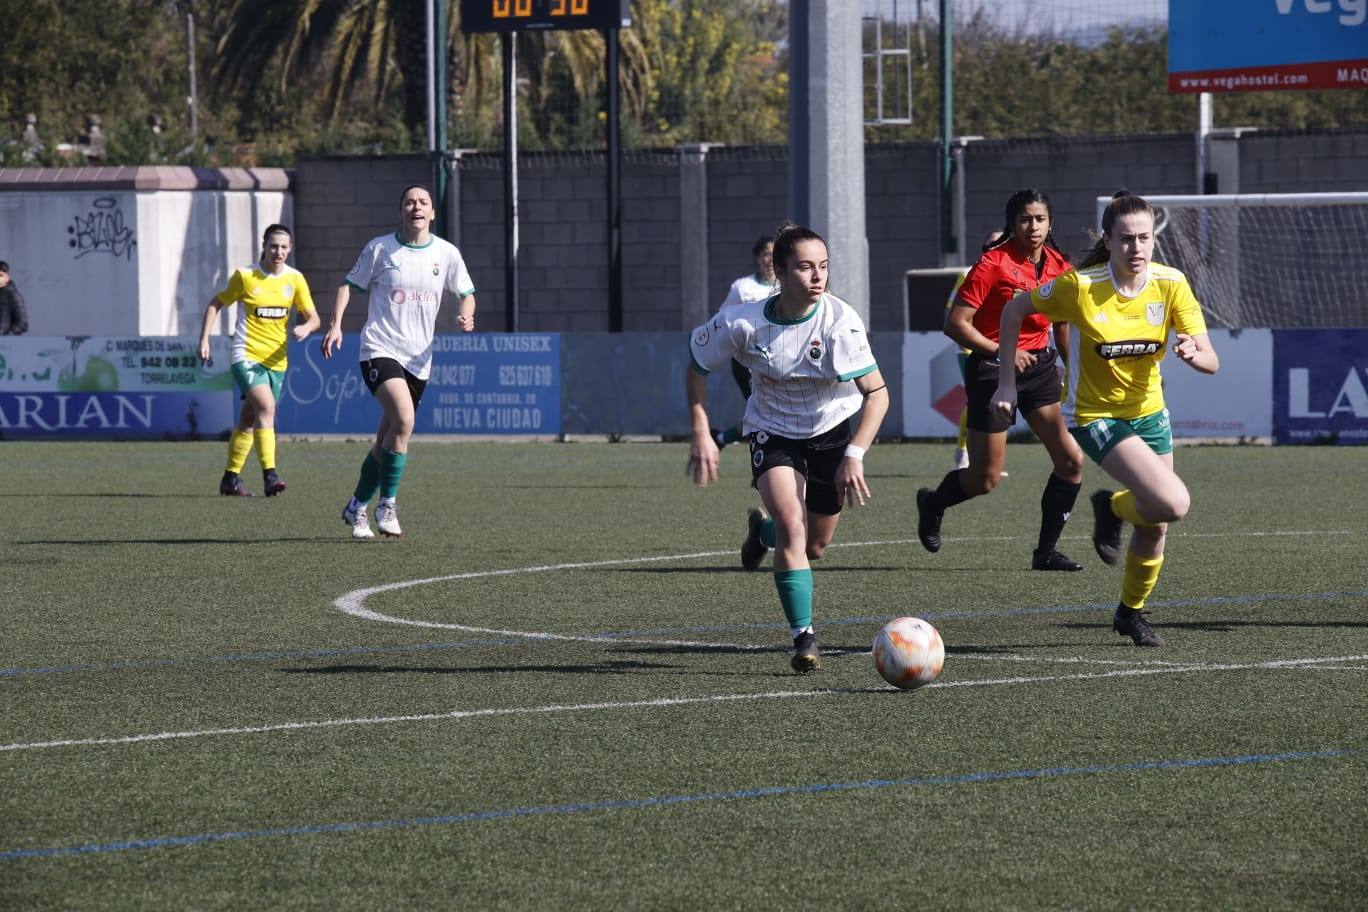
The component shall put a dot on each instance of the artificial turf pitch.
(191, 719)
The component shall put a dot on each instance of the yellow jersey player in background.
(266, 294)
(1120, 308)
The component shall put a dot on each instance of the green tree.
(120, 59)
(715, 73)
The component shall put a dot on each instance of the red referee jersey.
(1000, 275)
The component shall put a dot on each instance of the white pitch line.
(459, 714)
(354, 602)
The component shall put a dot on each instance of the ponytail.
(788, 236)
(1123, 202)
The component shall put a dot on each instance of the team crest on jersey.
(815, 349)
(1047, 289)
(1154, 312)
(287, 290)
(436, 269)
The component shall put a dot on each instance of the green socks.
(795, 594)
(369, 481)
(767, 537)
(391, 470)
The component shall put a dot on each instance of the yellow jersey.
(263, 315)
(1117, 342)
(950, 302)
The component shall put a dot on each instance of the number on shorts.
(1100, 431)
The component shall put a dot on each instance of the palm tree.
(369, 47)
(361, 45)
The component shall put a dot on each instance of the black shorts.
(741, 374)
(377, 370)
(1037, 387)
(816, 459)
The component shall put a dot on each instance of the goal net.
(1269, 260)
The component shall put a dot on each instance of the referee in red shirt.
(1026, 258)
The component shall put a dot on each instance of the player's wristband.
(854, 452)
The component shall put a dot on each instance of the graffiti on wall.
(102, 230)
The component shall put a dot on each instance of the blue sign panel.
(113, 388)
(1262, 45)
(493, 383)
(115, 416)
(325, 395)
(480, 384)
(1320, 386)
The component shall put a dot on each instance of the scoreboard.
(520, 15)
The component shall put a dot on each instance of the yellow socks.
(1141, 575)
(265, 441)
(239, 445)
(1123, 505)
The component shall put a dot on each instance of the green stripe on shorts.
(247, 374)
(1100, 437)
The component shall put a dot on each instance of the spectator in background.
(13, 316)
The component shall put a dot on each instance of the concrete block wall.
(902, 223)
(340, 203)
(747, 199)
(1301, 163)
(1072, 173)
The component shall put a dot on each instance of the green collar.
(431, 237)
(772, 312)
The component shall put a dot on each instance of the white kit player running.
(812, 370)
(747, 290)
(404, 274)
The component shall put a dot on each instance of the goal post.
(1268, 259)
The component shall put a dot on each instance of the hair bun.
(1120, 193)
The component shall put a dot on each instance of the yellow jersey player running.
(265, 293)
(1120, 308)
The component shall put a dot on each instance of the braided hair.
(1016, 204)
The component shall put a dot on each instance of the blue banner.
(325, 396)
(1320, 386)
(115, 416)
(113, 388)
(480, 384)
(1260, 45)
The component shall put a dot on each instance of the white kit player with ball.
(812, 371)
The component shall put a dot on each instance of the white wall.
(94, 260)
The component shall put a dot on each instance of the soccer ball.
(908, 652)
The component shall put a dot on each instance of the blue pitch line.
(139, 664)
(633, 804)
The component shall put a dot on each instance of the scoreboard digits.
(517, 15)
(522, 9)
